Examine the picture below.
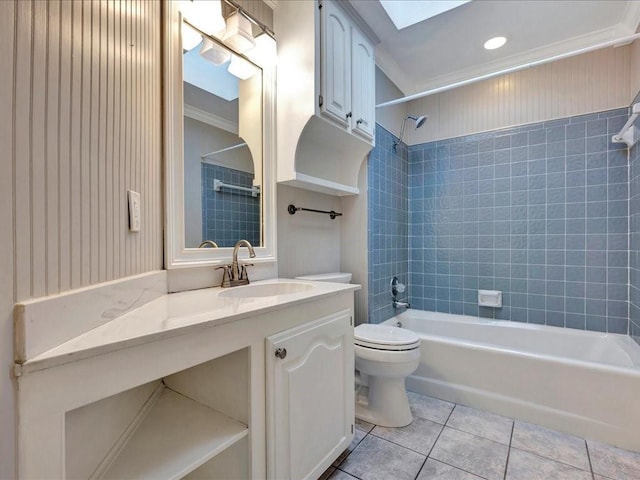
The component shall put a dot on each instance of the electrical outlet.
(134, 211)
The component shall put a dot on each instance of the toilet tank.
(335, 277)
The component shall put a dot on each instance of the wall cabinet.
(348, 69)
(325, 96)
(310, 396)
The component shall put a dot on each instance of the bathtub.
(583, 383)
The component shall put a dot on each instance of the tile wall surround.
(634, 239)
(222, 209)
(387, 172)
(538, 211)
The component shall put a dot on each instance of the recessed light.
(495, 42)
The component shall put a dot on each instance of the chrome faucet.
(397, 304)
(210, 243)
(236, 273)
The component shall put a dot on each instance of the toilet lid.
(385, 337)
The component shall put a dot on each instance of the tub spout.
(397, 304)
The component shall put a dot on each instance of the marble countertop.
(176, 314)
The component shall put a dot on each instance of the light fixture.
(213, 52)
(190, 38)
(205, 15)
(495, 42)
(265, 53)
(242, 68)
(238, 34)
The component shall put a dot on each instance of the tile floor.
(453, 442)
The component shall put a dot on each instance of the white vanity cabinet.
(188, 386)
(310, 396)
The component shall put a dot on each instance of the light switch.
(134, 211)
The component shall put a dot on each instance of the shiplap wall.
(87, 117)
(635, 67)
(80, 124)
(592, 82)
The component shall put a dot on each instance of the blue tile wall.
(539, 212)
(228, 216)
(388, 178)
(634, 240)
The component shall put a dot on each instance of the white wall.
(592, 82)
(391, 117)
(308, 242)
(84, 128)
(635, 68)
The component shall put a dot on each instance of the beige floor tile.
(552, 444)
(435, 470)
(429, 408)
(377, 459)
(476, 455)
(480, 423)
(614, 462)
(527, 466)
(419, 435)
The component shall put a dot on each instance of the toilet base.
(386, 405)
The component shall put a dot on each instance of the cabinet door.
(310, 397)
(335, 63)
(363, 85)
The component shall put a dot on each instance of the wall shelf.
(176, 436)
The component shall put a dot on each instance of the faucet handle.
(243, 271)
(226, 274)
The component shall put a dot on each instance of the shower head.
(419, 122)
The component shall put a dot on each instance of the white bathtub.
(583, 383)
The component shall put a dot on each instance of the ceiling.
(449, 48)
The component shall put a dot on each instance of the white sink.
(266, 289)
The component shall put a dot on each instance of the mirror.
(219, 149)
(222, 149)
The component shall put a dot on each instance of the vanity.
(245, 382)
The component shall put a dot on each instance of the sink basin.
(266, 289)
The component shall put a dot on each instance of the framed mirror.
(219, 150)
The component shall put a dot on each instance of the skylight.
(404, 13)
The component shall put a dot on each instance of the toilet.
(386, 355)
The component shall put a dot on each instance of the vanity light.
(190, 38)
(242, 68)
(204, 14)
(265, 52)
(238, 34)
(214, 53)
(495, 42)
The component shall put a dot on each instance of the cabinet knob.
(349, 115)
(281, 353)
(359, 121)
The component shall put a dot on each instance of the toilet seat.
(385, 337)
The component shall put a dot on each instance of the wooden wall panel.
(591, 82)
(87, 128)
(635, 68)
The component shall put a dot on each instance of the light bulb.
(495, 42)
(214, 53)
(238, 34)
(204, 14)
(265, 53)
(241, 68)
(190, 38)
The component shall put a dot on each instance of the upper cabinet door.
(363, 85)
(335, 64)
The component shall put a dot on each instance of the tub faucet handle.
(397, 287)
